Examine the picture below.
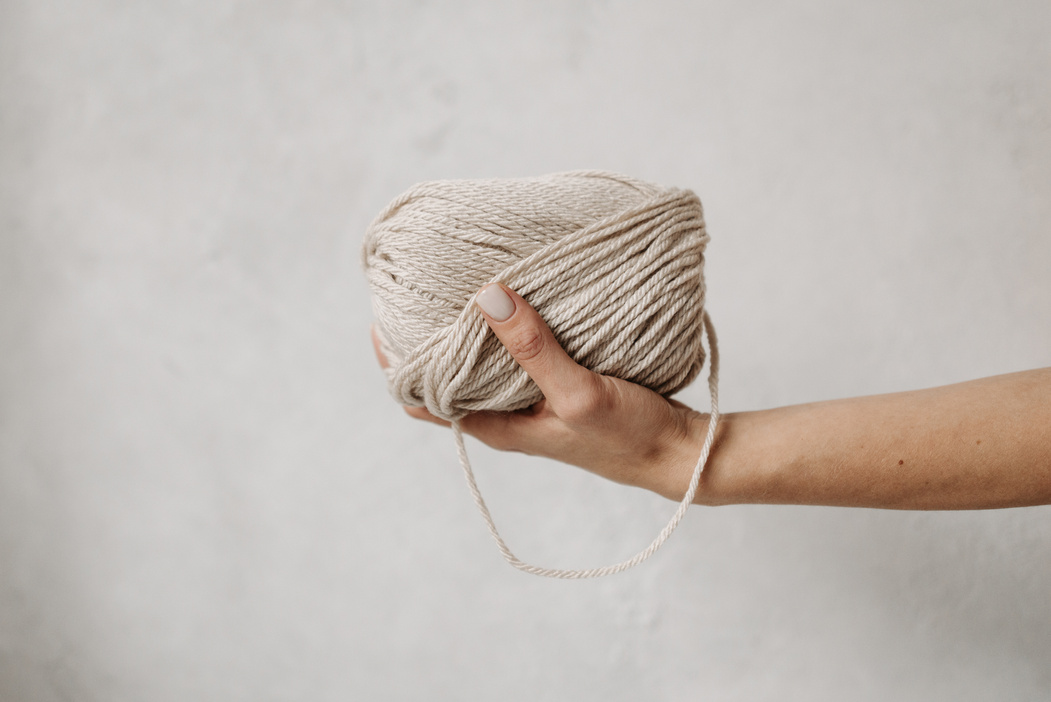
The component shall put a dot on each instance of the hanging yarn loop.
(614, 265)
(673, 523)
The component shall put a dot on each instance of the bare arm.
(975, 445)
(980, 444)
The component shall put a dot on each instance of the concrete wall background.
(205, 492)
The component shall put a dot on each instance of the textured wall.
(205, 493)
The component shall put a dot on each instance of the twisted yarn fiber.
(614, 265)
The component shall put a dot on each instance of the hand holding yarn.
(616, 429)
(616, 266)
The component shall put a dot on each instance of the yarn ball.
(614, 265)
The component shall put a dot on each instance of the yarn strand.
(687, 500)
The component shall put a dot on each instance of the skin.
(974, 445)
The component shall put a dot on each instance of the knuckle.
(526, 344)
(421, 413)
(416, 412)
(492, 430)
(585, 404)
(500, 443)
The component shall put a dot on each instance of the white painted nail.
(495, 302)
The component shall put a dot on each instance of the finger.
(378, 348)
(530, 341)
(422, 413)
(510, 431)
(414, 412)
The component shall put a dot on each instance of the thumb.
(529, 340)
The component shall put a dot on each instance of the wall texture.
(205, 493)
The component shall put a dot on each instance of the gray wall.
(205, 493)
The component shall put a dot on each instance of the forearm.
(980, 444)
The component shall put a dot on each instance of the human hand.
(898, 451)
(611, 427)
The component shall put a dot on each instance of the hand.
(611, 427)
(974, 445)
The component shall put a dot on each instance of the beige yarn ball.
(613, 264)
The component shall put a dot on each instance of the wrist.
(716, 485)
(730, 476)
